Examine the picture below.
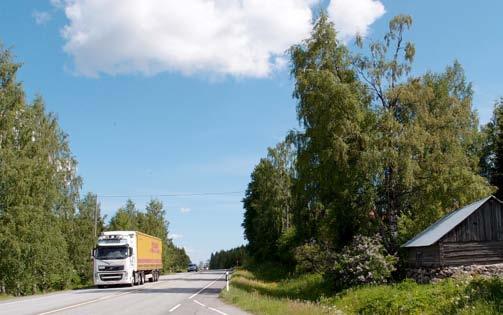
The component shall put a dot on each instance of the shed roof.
(443, 226)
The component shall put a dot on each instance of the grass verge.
(257, 303)
(309, 294)
(5, 296)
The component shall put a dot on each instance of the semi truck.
(126, 257)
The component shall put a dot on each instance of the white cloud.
(176, 236)
(222, 37)
(41, 17)
(353, 17)
(243, 38)
(185, 210)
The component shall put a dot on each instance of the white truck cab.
(116, 258)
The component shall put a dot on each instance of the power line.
(173, 194)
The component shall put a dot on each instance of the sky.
(180, 97)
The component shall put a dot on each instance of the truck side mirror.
(130, 251)
(93, 253)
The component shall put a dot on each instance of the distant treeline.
(382, 153)
(47, 230)
(226, 259)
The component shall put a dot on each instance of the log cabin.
(472, 235)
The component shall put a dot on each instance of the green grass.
(5, 296)
(478, 296)
(257, 303)
(258, 294)
(309, 294)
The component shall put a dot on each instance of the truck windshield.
(111, 252)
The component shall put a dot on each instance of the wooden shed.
(470, 235)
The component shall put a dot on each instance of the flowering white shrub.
(364, 261)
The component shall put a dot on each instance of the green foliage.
(84, 237)
(126, 218)
(38, 191)
(268, 203)
(439, 171)
(426, 137)
(478, 296)
(332, 188)
(226, 259)
(491, 161)
(310, 291)
(380, 151)
(312, 258)
(364, 261)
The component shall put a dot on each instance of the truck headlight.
(101, 268)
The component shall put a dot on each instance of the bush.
(312, 258)
(364, 261)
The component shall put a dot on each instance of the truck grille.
(111, 277)
(114, 268)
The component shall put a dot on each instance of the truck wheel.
(142, 279)
(135, 279)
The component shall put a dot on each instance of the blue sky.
(148, 120)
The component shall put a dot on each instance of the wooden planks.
(424, 256)
(485, 224)
(470, 253)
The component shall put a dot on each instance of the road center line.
(196, 301)
(193, 295)
(174, 307)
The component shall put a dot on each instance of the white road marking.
(218, 311)
(95, 300)
(175, 307)
(87, 302)
(195, 294)
(196, 301)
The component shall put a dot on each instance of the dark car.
(192, 267)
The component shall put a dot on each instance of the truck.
(126, 257)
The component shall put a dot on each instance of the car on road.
(192, 267)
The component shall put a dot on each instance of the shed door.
(419, 258)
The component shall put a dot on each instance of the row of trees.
(226, 259)
(379, 152)
(46, 229)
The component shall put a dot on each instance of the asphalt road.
(182, 293)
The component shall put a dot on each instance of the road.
(182, 293)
